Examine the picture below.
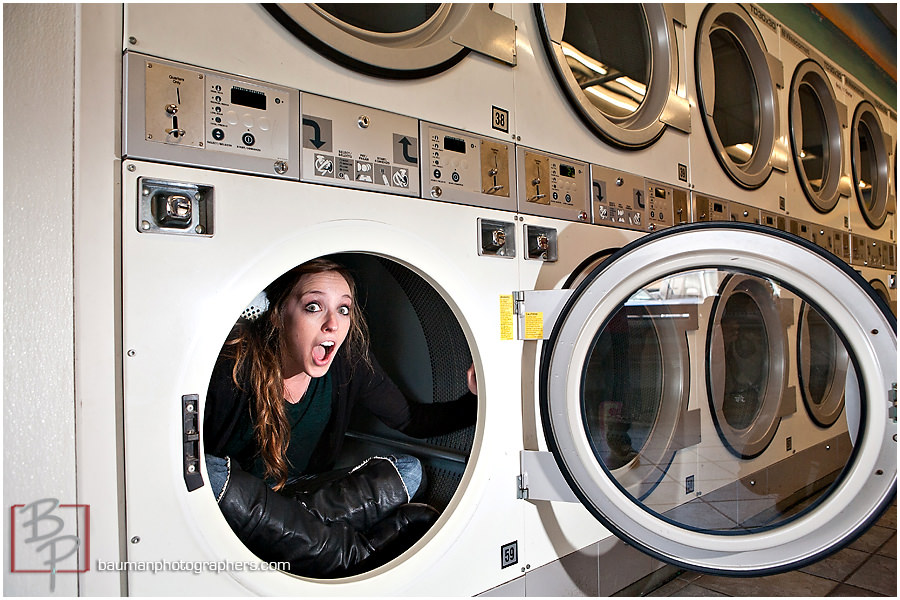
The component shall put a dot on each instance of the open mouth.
(322, 353)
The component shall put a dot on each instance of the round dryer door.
(763, 508)
(815, 124)
(736, 87)
(618, 65)
(397, 41)
(870, 165)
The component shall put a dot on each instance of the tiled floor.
(867, 567)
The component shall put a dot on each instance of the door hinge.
(892, 398)
(540, 478)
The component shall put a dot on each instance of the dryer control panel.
(465, 168)
(553, 186)
(181, 114)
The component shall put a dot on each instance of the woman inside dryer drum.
(278, 406)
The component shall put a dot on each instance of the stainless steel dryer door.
(743, 523)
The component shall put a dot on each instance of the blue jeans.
(409, 467)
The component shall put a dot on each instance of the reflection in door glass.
(621, 410)
(706, 486)
(823, 367)
(607, 47)
(746, 360)
(382, 18)
(814, 147)
(867, 174)
(736, 107)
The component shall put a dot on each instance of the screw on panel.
(133, 40)
(131, 168)
(135, 539)
(131, 353)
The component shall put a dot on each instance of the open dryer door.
(731, 515)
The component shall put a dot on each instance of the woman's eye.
(344, 310)
(313, 307)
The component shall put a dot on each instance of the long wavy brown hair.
(259, 350)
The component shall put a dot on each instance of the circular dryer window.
(359, 459)
(823, 362)
(736, 89)
(397, 41)
(618, 65)
(816, 135)
(870, 165)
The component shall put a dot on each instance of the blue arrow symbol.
(316, 140)
(406, 144)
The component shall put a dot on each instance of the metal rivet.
(879, 472)
(135, 539)
(199, 228)
(192, 469)
(145, 225)
(281, 167)
(131, 168)
(874, 332)
(189, 408)
(133, 40)
(131, 353)
(363, 121)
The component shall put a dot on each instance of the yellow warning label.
(534, 326)
(506, 317)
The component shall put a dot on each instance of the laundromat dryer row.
(198, 117)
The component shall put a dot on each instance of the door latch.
(190, 420)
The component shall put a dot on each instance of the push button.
(248, 139)
(218, 134)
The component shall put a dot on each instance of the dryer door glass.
(746, 483)
(399, 41)
(814, 149)
(610, 63)
(382, 18)
(870, 165)
(618, 65)
(736, 107)
(816, 135)
(736, 85)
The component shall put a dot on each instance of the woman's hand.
(471, 381)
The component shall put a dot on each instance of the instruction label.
(534, 326)
(506, 317)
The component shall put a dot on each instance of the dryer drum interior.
(870, 165)
(416, 338)
(815, 125)
(822, 364)
(618, 66)
(737, 95)
(421, 346)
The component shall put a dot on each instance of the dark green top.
(307, 419)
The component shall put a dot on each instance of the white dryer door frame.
(857, 497)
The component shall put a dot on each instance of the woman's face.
(316, 318)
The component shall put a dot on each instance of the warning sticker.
(506, 317)
(534, 326)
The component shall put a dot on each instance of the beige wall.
(38, 320)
